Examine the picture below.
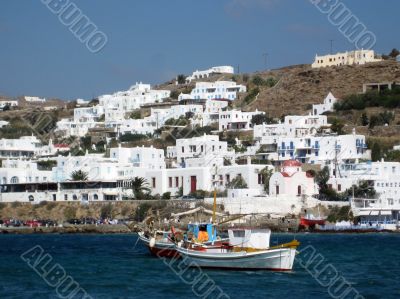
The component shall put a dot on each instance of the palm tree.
(139, 186)
(79, 175)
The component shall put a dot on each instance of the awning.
(386, 213)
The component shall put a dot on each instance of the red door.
(193, 184)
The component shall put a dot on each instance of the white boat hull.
(281, 259)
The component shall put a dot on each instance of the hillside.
(300, 86)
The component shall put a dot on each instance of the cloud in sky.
(236, 8)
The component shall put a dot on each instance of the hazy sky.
(154, 40)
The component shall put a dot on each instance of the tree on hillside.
(79, 175)
(259, 119)
(364, 119)
(181, 79)
(394, 53)
(322, 178)
(376, 152)
(337, 126)
(139, 187)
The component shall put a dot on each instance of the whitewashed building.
(293, 126)
(236, 120)
(34, 99)
(25, 147)
(206, 73)
(137, 96)
(206, 150)
(292, 181)
(322, 149)
(346, 58)
(8, 103)
(21, 171)
(327, 106)
(214, 90)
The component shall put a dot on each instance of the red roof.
(291, 163)
(62, 145)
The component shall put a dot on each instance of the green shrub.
(386, 99)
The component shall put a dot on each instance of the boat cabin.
(203, 232)
(250, 238)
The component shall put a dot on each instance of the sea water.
(116, 266)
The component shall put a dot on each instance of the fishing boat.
(311, 221)
(160, 243)
(248, 249)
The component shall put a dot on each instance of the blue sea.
(116, 266)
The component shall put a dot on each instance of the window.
(65, 196)
(170, 182)
(74, 197)
(153, 182)
(14, 180)
(176, 182)
(238, 233)
(95, 197)
(260, 179)
(339, 187)
(183, 149)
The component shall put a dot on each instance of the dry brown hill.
(300, 86)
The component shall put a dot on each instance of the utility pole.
(265, 55)
(331, 40)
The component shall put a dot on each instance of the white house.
(20, 171)
(346, 58)
(293, 126)
(206, 150)
(206, 73)
(138, 95)
(236, 120)
(291, 180)
(322, 149)
(327, 106)
(25, 147)
(384, 176)
(8, 103)
(35, 99)
(142, 157)
(214, 90)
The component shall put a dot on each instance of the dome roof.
(291, 163)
